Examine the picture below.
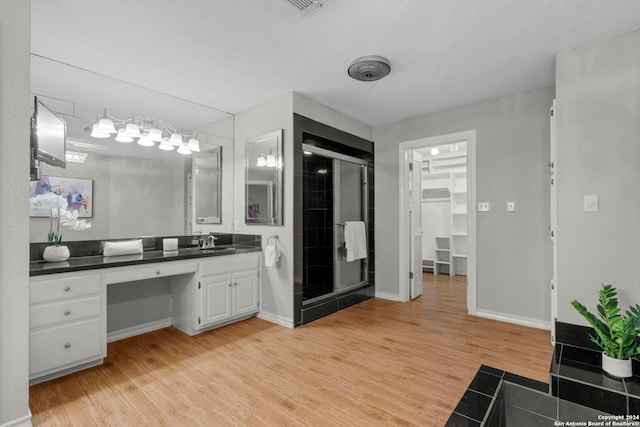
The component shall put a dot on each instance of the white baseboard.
(518, 320)
(19, 422)
(138, 330)
(278, 320)
(388, 296)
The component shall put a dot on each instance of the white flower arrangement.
(58, 206)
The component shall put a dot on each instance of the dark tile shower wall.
(320, 135)
(317, 220)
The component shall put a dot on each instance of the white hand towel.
(271, 255)
(127, 247)
(355, 240)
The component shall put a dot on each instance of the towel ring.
(275, 239)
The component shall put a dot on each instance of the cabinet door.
(245, 292)
(215, 300)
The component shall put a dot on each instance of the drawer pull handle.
(67, 312)
(67, 345)
(157, 272)
(67, 288)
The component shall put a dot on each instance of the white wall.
(277, 283)
(598, 90)
(15, 39)
(513, 256)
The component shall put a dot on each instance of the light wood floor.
(376, 363)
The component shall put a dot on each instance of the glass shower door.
(350, 200)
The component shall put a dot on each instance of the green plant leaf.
(615, 334)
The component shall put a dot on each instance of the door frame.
(403, 236)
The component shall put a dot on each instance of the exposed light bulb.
(435, 150)
(262, 161)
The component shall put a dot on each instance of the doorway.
(454, 252)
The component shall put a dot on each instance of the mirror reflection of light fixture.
(455, 147)
(145, 141)
(155, 135)
(97, 133)
(193, 144)
(182, 149)
(435, 150)
(122, 136)
(271, 160)
(148, 131)
(166, 145)
(262, 161)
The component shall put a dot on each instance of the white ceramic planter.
(55, 253)
(616, 367)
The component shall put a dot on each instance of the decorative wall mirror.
(207, 173)
(263, 183)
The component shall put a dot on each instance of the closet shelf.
(459, 234)
(459, 255)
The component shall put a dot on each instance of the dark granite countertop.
(80, 263)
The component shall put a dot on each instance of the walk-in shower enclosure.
(334, 184)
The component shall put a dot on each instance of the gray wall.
(132, 304)
(132, 197)
(15, 29)
(513, 249)
(597, 153)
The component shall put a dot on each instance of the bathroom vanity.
(68, 301)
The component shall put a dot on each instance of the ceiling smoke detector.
(369, 68)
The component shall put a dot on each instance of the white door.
(552, 223)
(415, 221)
(215, 299)
(245, 292)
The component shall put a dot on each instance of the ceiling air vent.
(307, 7)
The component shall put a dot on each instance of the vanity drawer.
(63, 311)
(129, 274)
(64, 346)
(63, 288)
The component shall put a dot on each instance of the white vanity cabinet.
(226, 290)
(67, 324)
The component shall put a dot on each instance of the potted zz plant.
(615, 334)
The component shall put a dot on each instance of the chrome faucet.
(211, 241)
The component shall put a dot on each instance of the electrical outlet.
(511, 206)
(483, 206)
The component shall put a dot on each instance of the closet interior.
(444, 209)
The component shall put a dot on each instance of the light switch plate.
(511, 206)
(591, 203)
(483, 206)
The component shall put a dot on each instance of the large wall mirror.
(263, 179)
(137, 190)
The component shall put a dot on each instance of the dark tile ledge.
(576, 375)
(476, 403)
(87, 255)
